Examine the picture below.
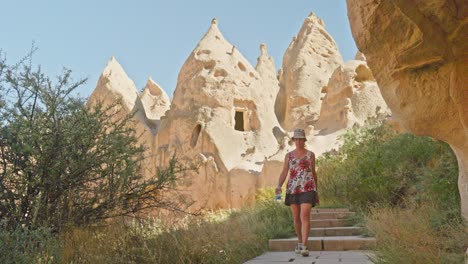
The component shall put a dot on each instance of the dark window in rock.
(239, 118)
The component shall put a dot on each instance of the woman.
(301, 190)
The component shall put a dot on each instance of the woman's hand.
(278, 190)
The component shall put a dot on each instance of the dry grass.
(416, 236)
(230, 237)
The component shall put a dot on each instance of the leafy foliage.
(26, 246)
(378, 166)
(405, 190)
(63, 164)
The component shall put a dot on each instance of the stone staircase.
(330, 230)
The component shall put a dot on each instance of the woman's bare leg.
(296, 213)
(305, 220)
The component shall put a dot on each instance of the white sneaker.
(304, 251)
(298, 248)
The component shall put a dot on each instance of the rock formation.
(114, 84)
(223, 111)
(308, 63)
(418, 53)
(155, 100)
(352, 96)
(221, 115)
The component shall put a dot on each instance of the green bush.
(29, 246)
(404, 188)
(377, 166)
(65, 164)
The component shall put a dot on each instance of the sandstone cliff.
(308, 63)
(352, 96)
(155, 100)
(418, 52)
(221, 115)
(114, 84)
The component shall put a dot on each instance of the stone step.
(321, 223)
(324, 243)
(316, 257)
(331, 215)
(336, 231)
(329, 210)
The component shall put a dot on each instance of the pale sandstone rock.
(155, 100)
(215, 82)
(308, 63)
(266, 68)
(114, 84)
(360, 56)
(216, 88)
(352, 96)
(418, 53)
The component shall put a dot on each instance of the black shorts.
(300, 198)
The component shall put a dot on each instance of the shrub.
(405, 190)
(377, 166)
(29, 246)
(62, 164)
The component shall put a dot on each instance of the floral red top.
(300, 174)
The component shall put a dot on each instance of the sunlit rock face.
(418, 52)
(224, 113)
(113, 85)
(351, 96)
(308, 63)
(155, 100)
(222, 116)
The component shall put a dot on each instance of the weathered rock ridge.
(418, 52)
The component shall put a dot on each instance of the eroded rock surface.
(418, 52)
(308, 63)
(222, 115)
(352, 96)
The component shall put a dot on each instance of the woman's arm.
(314, 172)
(283, 174)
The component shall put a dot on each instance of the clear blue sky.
(154, 38)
